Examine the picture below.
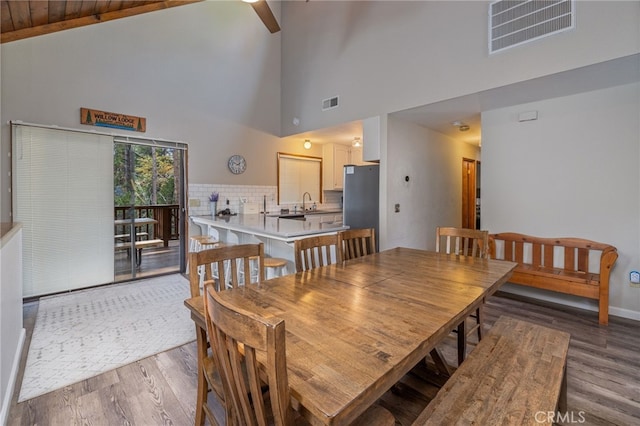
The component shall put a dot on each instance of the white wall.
(380, 57)
(571, 173)
(433, 195)
(384, 56)
(13, 334)
(206, 73)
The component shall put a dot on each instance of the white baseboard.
(8, 396)
(568, 300)
(624, 313)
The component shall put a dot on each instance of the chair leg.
(201, 391)
(441, 364)
(480, 320)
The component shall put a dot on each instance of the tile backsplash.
(230, 197)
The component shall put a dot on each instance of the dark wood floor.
(603, 378)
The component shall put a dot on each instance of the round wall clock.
(237, 164)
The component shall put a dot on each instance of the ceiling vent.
(516, 22)
(330, 103)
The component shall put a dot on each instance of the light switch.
(397, 208)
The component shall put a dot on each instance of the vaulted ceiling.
(28, 18)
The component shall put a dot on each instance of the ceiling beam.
(88, 20)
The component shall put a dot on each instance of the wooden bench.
(139, 246)
(567, 265)
(125, 237)
(516, 375)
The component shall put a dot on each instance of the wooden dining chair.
(462, 241)
(465, 242)
(258, 391)
(357, 242)
(232, 263)
(312, 252)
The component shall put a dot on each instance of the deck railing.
(168, 221)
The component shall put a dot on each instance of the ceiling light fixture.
(307, 144)
(356, 142)
(464, 128)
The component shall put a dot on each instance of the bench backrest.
(574, 253)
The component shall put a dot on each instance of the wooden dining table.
(355, 328)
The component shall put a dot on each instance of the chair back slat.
(463, 241)
(313, 252)
(239, 339)
(233, 262)
(357, 242)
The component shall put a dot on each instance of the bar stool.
(200, 242)
(204, 242)
(273, 266)
(276, 265)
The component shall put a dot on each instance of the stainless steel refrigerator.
(361, 196)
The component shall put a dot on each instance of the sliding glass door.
(148, 185)
(68, 188)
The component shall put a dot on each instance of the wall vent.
(330, 103)
(516, 22)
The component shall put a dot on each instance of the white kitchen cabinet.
(374, 129)
(334, 158)
(355, 156)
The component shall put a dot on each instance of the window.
(298, 174)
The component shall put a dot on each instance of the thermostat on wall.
(634, 277)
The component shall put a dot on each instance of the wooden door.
(468, 193)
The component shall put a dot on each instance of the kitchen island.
(277, 234)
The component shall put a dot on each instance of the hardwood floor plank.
(151, 399)
(179, 369)
(90, 409)
(602, 403)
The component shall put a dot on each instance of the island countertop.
(271, 227)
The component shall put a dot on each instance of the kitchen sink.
(293, 216)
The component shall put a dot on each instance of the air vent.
(516, 22)
(330, 103)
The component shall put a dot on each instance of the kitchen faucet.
(303, 206)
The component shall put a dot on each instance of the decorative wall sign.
(114, 120)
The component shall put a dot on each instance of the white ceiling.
(467, 109)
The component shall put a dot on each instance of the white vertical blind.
(63, 196)
(297, 175)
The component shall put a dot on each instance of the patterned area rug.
(85, 333)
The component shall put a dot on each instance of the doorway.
(149, 189)
(470, 193)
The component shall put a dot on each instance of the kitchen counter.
(282, 229)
